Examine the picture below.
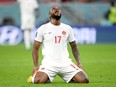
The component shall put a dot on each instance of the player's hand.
(35, 70)
(80, 66)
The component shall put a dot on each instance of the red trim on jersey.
(73, 66)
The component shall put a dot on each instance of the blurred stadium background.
(85, 16)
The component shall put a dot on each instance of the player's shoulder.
(66, 25)
(41, 27)
(63, 24)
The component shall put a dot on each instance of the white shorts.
(27, 22)
(65, 71)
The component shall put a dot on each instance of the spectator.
(29, 13)
(8, 21)
(111, 13)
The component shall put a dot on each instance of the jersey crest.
(63, 32)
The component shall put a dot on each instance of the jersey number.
(57, 39)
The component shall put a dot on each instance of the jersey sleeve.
(71, 37)
(39, 34)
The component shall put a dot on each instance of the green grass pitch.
(99, 61)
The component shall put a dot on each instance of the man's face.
(55, 13)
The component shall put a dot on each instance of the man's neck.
(55, 22)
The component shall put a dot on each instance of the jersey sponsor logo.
(48, 33)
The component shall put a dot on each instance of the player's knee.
(82, 80)
(40, 77)
(85, 80)
(38, 81)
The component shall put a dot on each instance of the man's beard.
(56, 17)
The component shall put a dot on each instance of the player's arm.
(76, 54)
(35, 55)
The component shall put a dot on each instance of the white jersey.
(54, 42)
(27, 8)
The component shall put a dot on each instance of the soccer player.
(29, 13)
(54, 37)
